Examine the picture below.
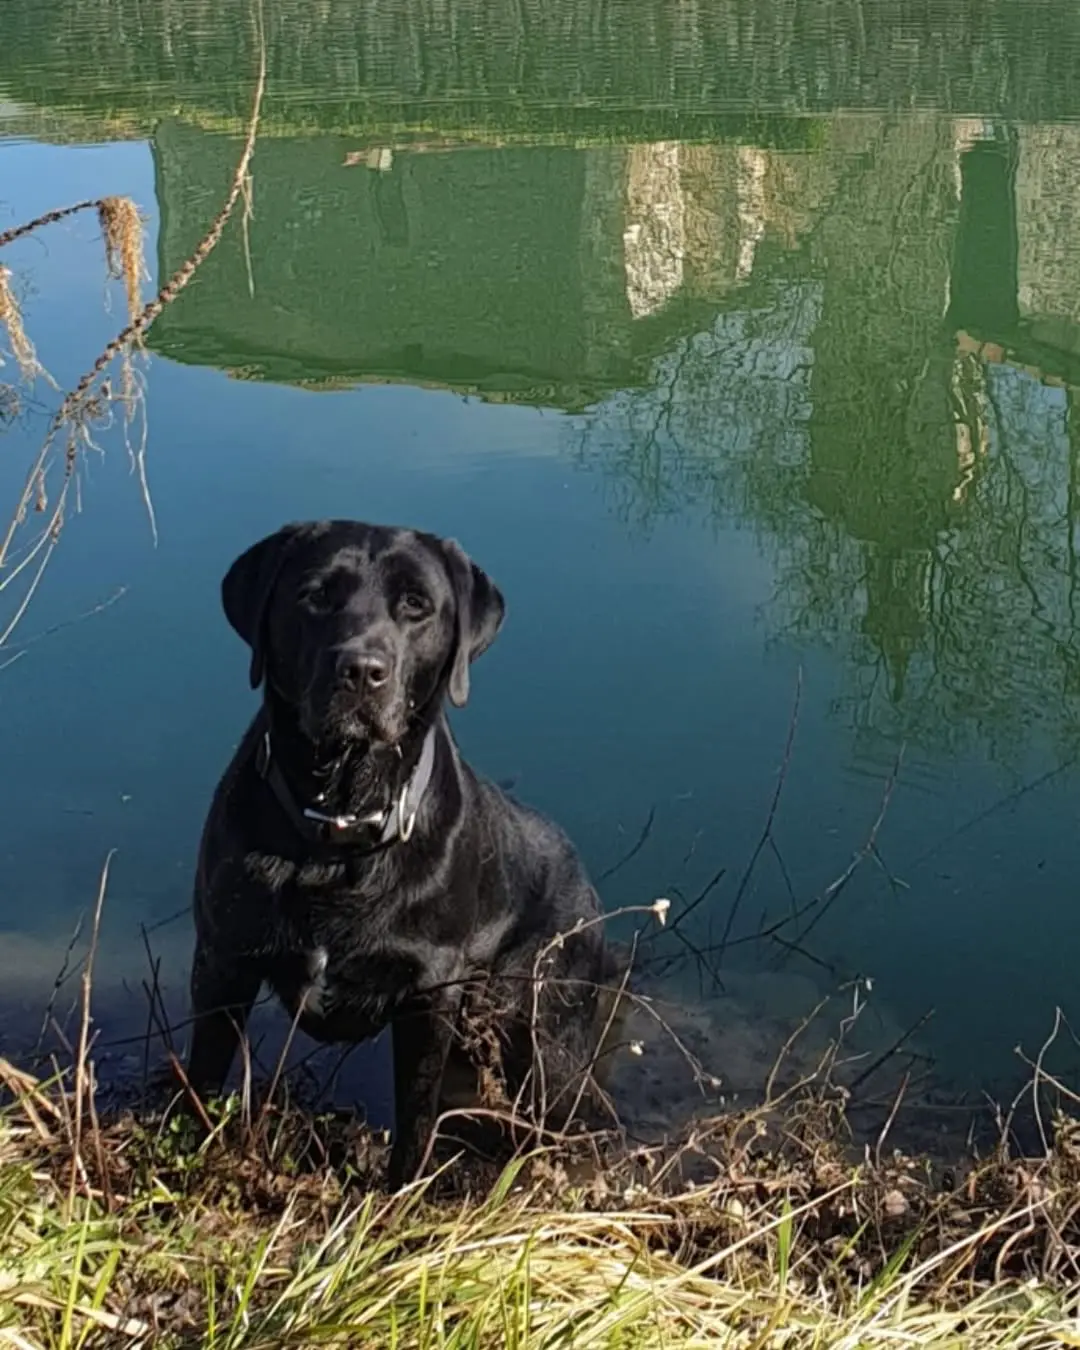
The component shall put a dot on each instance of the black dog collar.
(379, 829)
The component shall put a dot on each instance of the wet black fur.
(482, 886)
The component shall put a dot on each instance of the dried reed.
(90, 402)
(122, 230)
(49, 218)
(11, 318)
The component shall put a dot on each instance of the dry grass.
(274, 1231)
(122, 231)
(22, 349)
(264, 1223)
(79, 412)
(122, 235)
(42, 506)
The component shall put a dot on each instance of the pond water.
(741, 349)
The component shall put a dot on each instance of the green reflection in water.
(856, 332)
(642, 69)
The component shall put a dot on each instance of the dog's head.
(361, 628)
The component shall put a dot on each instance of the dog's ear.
(246, 590)
(480, 613)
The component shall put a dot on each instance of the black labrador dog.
(353, 862)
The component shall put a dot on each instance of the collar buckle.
(395, 822)
(346, 822)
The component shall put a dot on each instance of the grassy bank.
(760, 1231)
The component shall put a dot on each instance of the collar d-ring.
(406, 823)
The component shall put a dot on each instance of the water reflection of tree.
(977, 633)
(693, 436)
(947, 582)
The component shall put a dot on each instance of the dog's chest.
(348, 962)
(332, 981)
(339, 994)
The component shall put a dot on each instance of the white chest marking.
(315, 995)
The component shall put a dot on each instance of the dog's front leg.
(423, 1033)
(223, 991)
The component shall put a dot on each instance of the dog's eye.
(413, 605)
(317, 599)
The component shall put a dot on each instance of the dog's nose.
(363, 669)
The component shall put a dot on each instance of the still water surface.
(733, 346)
